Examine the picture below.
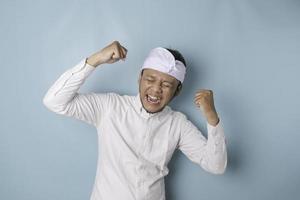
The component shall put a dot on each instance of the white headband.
(163, 60)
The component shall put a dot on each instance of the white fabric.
(162, 60)
(134, 146)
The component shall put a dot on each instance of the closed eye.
(149, 79)
(167, 85)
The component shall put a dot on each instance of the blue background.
(247, 52)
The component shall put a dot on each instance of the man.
(137, 135)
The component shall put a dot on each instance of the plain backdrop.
(246, 51)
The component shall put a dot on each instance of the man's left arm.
(209, 153)
(216, 145)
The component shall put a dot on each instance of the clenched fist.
(204, 100)
(109, 54)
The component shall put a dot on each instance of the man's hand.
(109, 54)
(204, 100)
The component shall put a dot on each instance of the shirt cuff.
(88, 65)
(217, 137)
(215, 129)
(83, 68)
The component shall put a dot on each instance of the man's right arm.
(63, 97)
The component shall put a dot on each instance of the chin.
(152, 108)
(153, 111)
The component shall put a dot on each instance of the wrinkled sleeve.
(209, 153)
(63, 97)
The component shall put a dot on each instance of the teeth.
(153, 99)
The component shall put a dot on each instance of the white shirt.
(134, 146)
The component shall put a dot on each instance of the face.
(156, 89)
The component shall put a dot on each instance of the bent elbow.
(219, 168)
(52, 105)
(219, 171)
(47, 102)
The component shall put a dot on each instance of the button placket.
(147, 134)
(140, 180)
(141, 167)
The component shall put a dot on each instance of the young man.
(137, 135)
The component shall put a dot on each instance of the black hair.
(177, 55)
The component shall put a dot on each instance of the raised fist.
(109, 54)
(204, 99)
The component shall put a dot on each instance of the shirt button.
(139, 183)
(214, 133)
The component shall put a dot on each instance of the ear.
(178, 89)
(139, 80)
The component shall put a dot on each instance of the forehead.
(158, 74)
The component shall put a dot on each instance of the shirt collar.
(141, 110)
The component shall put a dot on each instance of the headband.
(163, 60)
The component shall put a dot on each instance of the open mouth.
(152, 99)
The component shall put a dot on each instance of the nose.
(157, 88)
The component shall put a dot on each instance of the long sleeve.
(211, 153)
(63, 97)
